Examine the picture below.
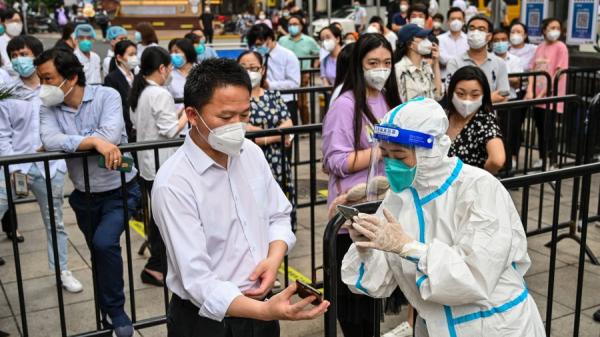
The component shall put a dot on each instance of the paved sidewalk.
(40, 292)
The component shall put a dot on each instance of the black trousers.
(544, 123)
(292, 107)
(158, 254)
(183, 321)
(6, 222)
(209, 33)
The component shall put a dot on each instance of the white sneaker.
(69, 282)
(402, 330)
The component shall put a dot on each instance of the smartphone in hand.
(304, 291)
(347, 211)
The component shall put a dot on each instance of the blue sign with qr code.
(534, 11)
(582, 21)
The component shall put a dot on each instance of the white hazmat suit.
(464, 273)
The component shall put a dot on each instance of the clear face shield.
(391, 143)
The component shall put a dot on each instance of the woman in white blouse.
(520, 46)
(155, 117)
(183, 58)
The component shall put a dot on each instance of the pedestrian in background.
(114, 35)
(331, 40)
(85, 35)
(144, 36)
(203, 51)
(206, 24)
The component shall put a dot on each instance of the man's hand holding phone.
(280, 306)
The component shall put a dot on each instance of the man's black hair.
(8, 13)
(482, 18)
(65, 63)
(209, 75)
(453, 10)
(259, 32)
(24, 41)
(419, 7)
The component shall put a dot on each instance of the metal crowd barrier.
(526, 183)
(303, 156)
(316, 100)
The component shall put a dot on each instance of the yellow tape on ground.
(294, 275)
(324, 193)
(138, 226)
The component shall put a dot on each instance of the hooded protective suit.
(464, 273)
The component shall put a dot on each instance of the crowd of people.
(68, 98)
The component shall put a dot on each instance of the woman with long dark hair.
(473, 129)
(145, 36)
(367, 93)
(155, 117)
(121, 77)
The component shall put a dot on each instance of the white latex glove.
(383, 235)
(355, 235)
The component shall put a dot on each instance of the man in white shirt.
(454, 41)
(360, 16)
(283, 67)
(223, 217)
(85, 36)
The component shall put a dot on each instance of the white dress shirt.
(106, 62)
(217, 223)
(451, 48)
(154, 119)
(513, 66)
(91, 66)
(283, 71)
(526, 54)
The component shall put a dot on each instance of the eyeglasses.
(253, 69)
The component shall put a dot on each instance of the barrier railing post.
(57, 271)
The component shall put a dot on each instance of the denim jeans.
(37, 185)
(102, 224)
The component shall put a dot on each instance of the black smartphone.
(347, 211)
(304, 291)
(126, 164)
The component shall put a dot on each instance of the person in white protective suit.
(447, 233)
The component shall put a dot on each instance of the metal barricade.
(318, 102)
(527, 183)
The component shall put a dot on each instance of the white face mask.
(168, 80)
(372, 30)
(418, 21)
(376, 78)
(262, 17)
(552, 35)
(52, 95)
(516, 39)
(227, 139)
(255, 78)
(424, 47)
(329, 45)
(437, 25)
(132, 62)
(456, 25)
(403, 8)
(14, 28)
(465, 107)
(476, 39)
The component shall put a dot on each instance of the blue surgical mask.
(294, 30)
(23, 65)
(262, 50)
(137, 36)
(500, 47)
(1, 29)
(399, 175)
(86, 46)
(177, 60)
(200, 48)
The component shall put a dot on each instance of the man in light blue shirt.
(19, 134)
(79, 117)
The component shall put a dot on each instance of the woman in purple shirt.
(368, 92)
(331, 41)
